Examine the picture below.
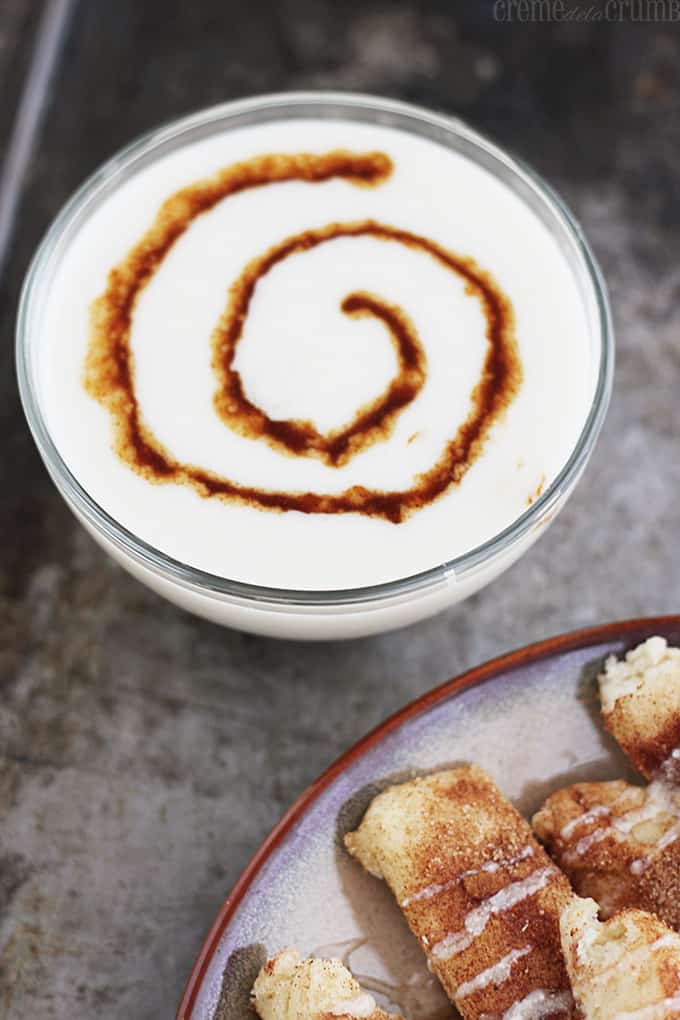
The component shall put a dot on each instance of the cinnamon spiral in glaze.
(109, 369)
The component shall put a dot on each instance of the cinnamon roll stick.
(619, 844)
(477, 890)
(627, 968)
(291, 988)
(640, 697)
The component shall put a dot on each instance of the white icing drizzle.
(436, 888)
(342, 951)
(661, 798)
(538, 1004)
(494, 866)
(596, 836)
(430, 891)
(588, 816)
(669, 770)
(669, 836)
(636, 955)
(478, 918)
(362, 1005)
(655, 1011)
(495, 975)
(416, 996)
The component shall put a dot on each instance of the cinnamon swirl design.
(110, 378)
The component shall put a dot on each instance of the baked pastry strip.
(627, 968)
(477, 890)
(640, 696)
(291, 988)
(619, 844)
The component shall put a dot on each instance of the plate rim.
(508, 662)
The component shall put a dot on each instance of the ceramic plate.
(530, 718)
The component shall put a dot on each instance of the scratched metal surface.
(143, 754)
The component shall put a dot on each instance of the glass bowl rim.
(213, 585)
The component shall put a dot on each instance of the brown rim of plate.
(502, 665)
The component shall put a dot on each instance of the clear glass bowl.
(317, 614)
